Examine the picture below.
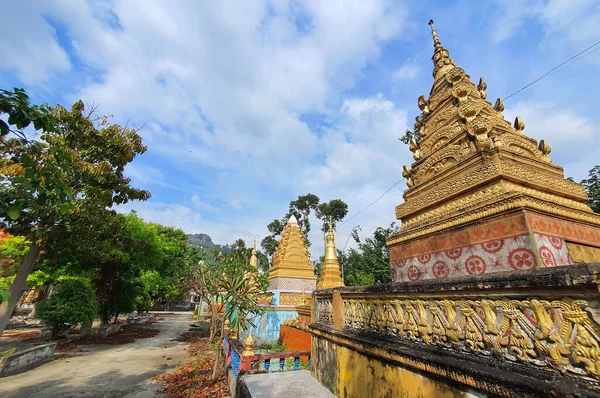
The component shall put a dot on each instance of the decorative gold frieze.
(325, 311)
(291, 298)
(558, 334)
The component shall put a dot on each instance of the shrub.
(72, 302)
(121, 299)
(143, 302)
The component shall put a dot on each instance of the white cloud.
(235, 204)
(200, 204)
(223, 92)
(28, 45)
(567, 133)
(407, 71)
(564, 21)
(144, 174)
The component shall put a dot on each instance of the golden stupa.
(291, 269)
(330, 273)
(253, 258)
(482, 196)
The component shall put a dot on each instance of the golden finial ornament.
(248, 346)
(499, 105)
(481, 87)
(330, 273)
(441, 57)
(233, 333)
(226, 325)
(519, 125)
(414, 148)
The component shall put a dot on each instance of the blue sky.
(246, 105)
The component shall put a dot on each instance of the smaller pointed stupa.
(253, 258)
(330, 273)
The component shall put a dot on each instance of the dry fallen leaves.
(193, 379)
(127, 334)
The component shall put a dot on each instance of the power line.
(556, 67)
(575, 60)
(372, 203)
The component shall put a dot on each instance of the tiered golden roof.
(471, 163)
(291, 259)
(330, 273)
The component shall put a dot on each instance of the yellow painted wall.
(359, 376)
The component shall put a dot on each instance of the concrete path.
(107, 371)
(297, 384)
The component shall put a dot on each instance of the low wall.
(102, 331)
(295, 339)
(524, 333)
(26, 359)
(137, 321)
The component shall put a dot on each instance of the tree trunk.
(16, 288)
(45, 293)
(219, 356)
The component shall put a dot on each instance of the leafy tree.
(410, 135)
(122, 298)
(335, 210)
(71, 303)
(34, 174)
(371, 262)
(299, 208)
(13, 250)
(75, 168)
(592, 186)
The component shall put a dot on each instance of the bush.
(143, 302)
(121, 299)
(72, 302)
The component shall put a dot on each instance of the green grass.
(8, 352)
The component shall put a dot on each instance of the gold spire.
(291, 259)
(330, 273)
(471, 163)
(253, 258)
(441, 57)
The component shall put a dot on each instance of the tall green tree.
(592, 187)
(34, 193)
(370, 262)
(300, 208)
(335, 210)
(74, 167)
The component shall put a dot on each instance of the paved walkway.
(297, 384)
(107, 371)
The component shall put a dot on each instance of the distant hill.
(205, 241)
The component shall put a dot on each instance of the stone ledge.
(574, 280)
(102, 331)
(27, 359)
(490, 374)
